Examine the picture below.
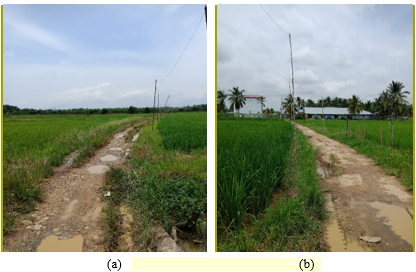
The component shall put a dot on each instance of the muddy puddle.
(335, 236)
(53, 244)
(194, 242)
(397, 218)
(98, 169)
(109, 158)
(336, 240)
(188, 245)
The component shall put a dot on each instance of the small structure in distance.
(335, 113)
(252, 106)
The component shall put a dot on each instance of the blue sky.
(96, 56)
(338, 50)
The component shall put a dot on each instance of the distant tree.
(287, 105)
(261, 100)
(397, 96)
(104, 111)
(221, 96)
(310, 103)
(131, 110)
(368, 105)
(300, 102)
(237, 99)
(10, 108)
(356, 105)
(327, 102)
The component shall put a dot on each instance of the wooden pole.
(293, 93)
(323, 116)
(154, 102)
(364, 126)
(381, 134)
(347, 129)
(391, 134)
(158, 107)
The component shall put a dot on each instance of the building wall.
(251, 107)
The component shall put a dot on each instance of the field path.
(68, 218)
(363, 200)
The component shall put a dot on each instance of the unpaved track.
(71, 208)
(363, 200)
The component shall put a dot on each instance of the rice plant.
(184, 131)
(250, 164)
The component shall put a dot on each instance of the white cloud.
(171, 8)
(9, 54)
(82, 94)
(27, 30)
(335, 86)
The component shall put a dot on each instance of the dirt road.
(363, 200)
(68, 218)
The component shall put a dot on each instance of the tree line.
(391, 101)
(13, 110)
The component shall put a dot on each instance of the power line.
(185, 47)
(273, 20)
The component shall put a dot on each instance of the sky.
(97, 56)
(338, 50)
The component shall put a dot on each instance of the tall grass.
(396, 161)
(250, 164)
(184, 131)
(33, 145)
(294, 221)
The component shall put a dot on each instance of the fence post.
(391, 134)
(364, 126)
(347, 129)
(381, 134)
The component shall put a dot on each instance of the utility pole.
(154, 102)
(323, 117)
(206, 19)
(293, 94)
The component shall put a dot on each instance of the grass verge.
(294, 220)
(162, 187)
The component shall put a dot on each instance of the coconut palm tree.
(397, 96)
(368, 105)
(355, 105)
(237, 99)
(327, 102)
(382, 104)
(221, 100)
(300, 102)
(310, 103)
(261, 100)
(287, 105)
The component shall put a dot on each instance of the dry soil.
(363, 200)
